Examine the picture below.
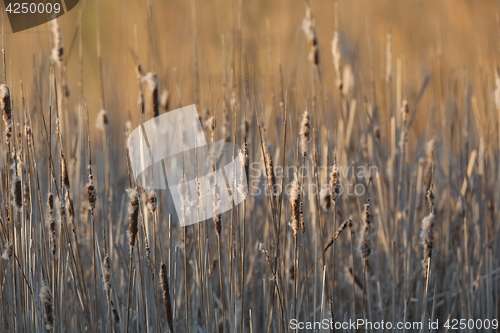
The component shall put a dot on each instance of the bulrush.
(427, 233)
(57, 49)
(305, 135)
(102, 120)
(51, 223)
(151, 204)
(336, 59)
(46, 299)
(133, 217)
(334, 181)
(165, 291)
(295, 202)
(151, 80)
(309, 28)
(365, 243)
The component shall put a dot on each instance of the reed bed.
(372, 175)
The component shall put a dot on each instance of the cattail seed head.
(106, 273)
(51, 223)
(6, 105)
(334, 181)
(91, 196)
(57, 50)
(102, 120)
(46, 299)
(151, 204)
(17, 192)
(336, 58)
(151, 80)
(8, 250)
(427, 239)
(295, 202)
(217, 206)
(365, 244)
(166, 296)
(305, 128)
(309, 28)
(64, 174)
(133, 217)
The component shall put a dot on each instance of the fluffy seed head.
(305, 128)
(57, 50)
(295, 202)
(46, 299)
(334, 181)
(17, 192)
(6, 105)
(151, 200)
(427, 239)
(133, 217)
(102, 120)
(336, 58)
(151, 80)
(106, 273)
(365, 244)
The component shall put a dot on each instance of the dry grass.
(314, 103)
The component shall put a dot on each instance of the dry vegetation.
(325, 86)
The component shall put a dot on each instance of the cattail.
(151, 80)
(91, 191)
(388, 56)
(427, 238)
(133, 217)
(336, 58)
(347, 80)
(102, 120)
(217, 206)
(166, 296)
(64, 174)
(151, 204)
(165, 99)
(345, 224)
(17, 192)
(325, 198)
(46, 298)
(8, 250)
(57, 50)
(106, 273)
(6, 105)
(405, 110)
(51, 223)
(70, 211)
(365, 244)
(295, 202)
(335, 181)
(309, 28)
(305, 127)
